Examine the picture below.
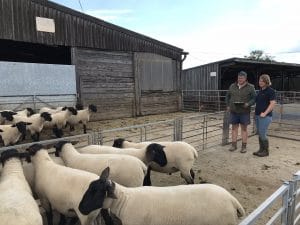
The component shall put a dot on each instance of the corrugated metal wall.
(18, 23)
(204, 77)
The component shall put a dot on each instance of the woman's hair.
(266, 79)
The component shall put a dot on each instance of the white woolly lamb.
(25, 112)
(50, 110)
(180, 156)
(198, 204)
(11, 134)
(127, 170)
(17, 206)
(83, 116)
(59, 187)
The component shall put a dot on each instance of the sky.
(209, 30)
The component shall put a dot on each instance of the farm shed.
(219, 75)
(124, 73)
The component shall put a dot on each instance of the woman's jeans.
(262, 125)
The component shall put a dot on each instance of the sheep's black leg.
(192, 174)
(38, 136)
(73, 221)
(49, 216)
(107, 218)
(147, 179)
(72, 128)
(58, 132)
(62, 220)
(84, 128)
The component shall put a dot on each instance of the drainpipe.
(180, 102)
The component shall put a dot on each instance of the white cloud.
(111, 15)
(272, 27)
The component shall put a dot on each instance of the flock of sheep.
(14, 125)
(110, 183)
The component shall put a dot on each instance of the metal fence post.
(225, 135)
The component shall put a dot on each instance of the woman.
(265, 102)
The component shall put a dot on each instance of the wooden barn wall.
(157, 84)
(106, 80)
(200, 78)
(18, 23)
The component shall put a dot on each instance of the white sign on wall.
(213, 74)
(45, 24)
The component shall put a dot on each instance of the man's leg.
(234, 134)
(244, 132)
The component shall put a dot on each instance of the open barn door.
(36, 85)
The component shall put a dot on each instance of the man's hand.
(228, 108)
(246, 105)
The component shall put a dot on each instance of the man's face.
(242, 80)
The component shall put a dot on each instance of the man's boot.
(265, 151)
(260, 146)
(244, 148)
(233, 146)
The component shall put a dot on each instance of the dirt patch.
(249, 178)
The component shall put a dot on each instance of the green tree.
(259, 55)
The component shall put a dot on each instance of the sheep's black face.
(72, 110)
(30, 111)
(58, 147)
(79, 106)
(8, 115)
(34, 148)
(22, 127)
(46, 116)
(155, 153)
(96, 193)
(10, 153)
(118, 143)
(93, 108)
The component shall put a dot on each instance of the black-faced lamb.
(59, 120)
(127, 170)
(6, 116)
(37, 123)
(25, 112)
(17, 206)
(11, 134)
(180, 157)
(198, 204)
(59, 187)
(83, 116)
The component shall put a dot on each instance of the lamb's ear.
(26, 155)
(111, 190)
(28, 123)
(105, 174)
(74, 142)
(1, 130)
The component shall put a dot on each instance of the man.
(239, 98)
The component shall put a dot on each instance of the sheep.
(6, 116)
(17, 206)
(52, 111)
(37, 123)
(180, 157)
(83, 116)
(59, 120)
(197, 204)
(26, 112)
(60, 187)
(152, 153)
(127, 170)
(11, 134)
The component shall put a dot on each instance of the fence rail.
(36, 101)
